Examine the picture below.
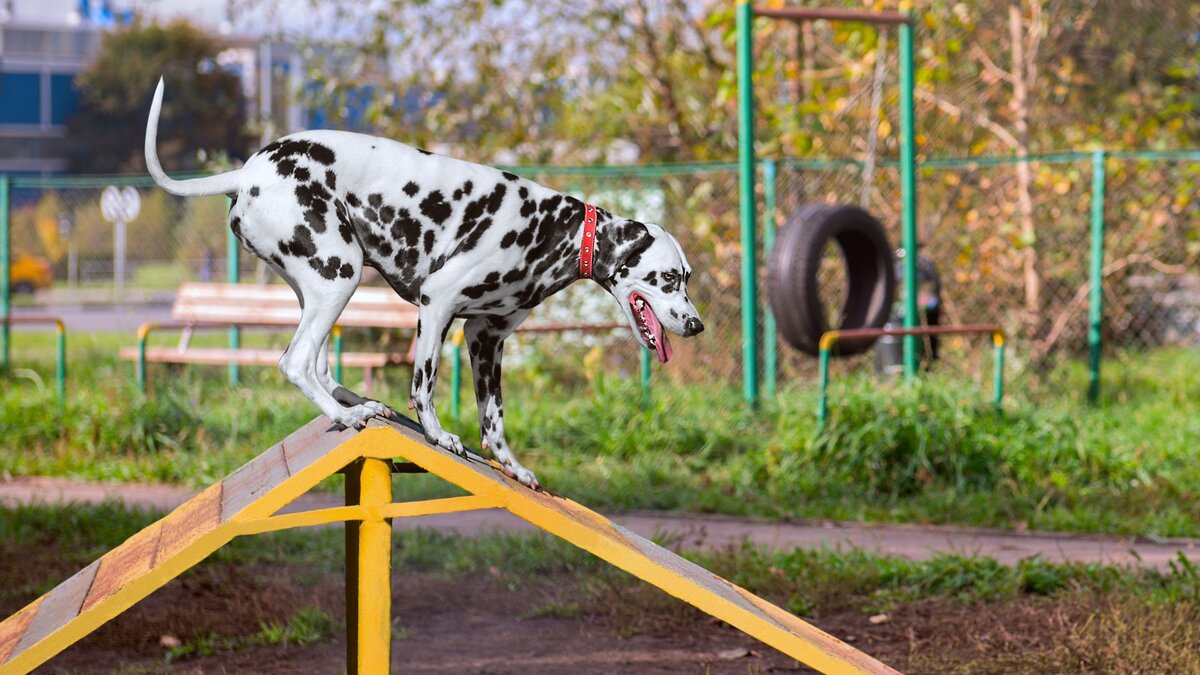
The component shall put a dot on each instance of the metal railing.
(831, 338)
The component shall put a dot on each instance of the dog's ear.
(619, 243)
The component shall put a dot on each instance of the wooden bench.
(209, 306)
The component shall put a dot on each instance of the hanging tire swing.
(793, 283)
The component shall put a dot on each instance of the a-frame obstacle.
(246, 501)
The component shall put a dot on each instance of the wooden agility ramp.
(246, 501)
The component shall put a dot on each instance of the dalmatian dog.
(456, 239)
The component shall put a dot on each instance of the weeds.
(922, 452)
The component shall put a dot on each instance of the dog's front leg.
(432, 324)
(485, 341)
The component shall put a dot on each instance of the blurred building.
(44, 44)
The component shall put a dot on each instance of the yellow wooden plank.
(628, 551)
(13, 628)
(188, 535)
(339, 514)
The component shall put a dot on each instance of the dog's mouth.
(649, 328)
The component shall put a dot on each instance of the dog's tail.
(223, 183)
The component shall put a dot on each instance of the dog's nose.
(692, 327)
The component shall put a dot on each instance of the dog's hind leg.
(340, 393)
(485, 339)
(432, 323)
(323, 301)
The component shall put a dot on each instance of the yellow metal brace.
(246, 501)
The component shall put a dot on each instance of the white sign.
(120, 205)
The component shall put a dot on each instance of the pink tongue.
(664, 343)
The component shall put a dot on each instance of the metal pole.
(998, 376)
(908, 193)
(119, 260)
(61, 371)
(374, 571)
(770, 344)
(645, 359)
(746, 168)
(456, 380)
(232, 260)
(823, 406)
(1096, 290)
(5, 270)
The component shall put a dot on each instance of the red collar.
(587, 247)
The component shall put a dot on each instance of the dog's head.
(647, 272)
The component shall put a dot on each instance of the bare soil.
(491, 624)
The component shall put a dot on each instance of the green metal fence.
(1117, 256)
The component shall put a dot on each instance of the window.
(20, 98)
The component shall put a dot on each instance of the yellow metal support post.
(375, 571)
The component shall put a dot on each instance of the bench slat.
(218, 356)
(277, 305)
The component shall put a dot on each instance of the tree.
(204, 108)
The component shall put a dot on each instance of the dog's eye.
(669, 277)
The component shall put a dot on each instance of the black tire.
(792, 284)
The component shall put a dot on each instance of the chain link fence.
(1001, 258)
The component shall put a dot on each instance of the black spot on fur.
(508, 176)
(329, 269)
(523, 192)
(411, 189)
(352, 199)
(254, 191)
(429, 237)
(301, 244)
(406, 230)
(331, 179)
(386, 215)
(423, 151)
(322, 153)
(425, 299)
(435, 208)
(314, 220)
(509, 239)
(375, 200)
(302, 173)
(285, 167)
(496, 199)
(347, 232)
(468, 187)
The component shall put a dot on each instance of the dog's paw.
(446, 441)
(523, 475)
(356, 416)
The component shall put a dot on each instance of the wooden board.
(275, 304)
(218, 356)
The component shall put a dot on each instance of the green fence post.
(908, 192)
(61, 370)
(1096, 290)
(823, 405)
(998, 376)
(232, 258)
(456, 380)
(645, 359)
(5, 270)
(746, 168)
(770, 345)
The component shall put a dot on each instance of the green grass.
(934, 451)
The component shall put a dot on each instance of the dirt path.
(692, 530)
